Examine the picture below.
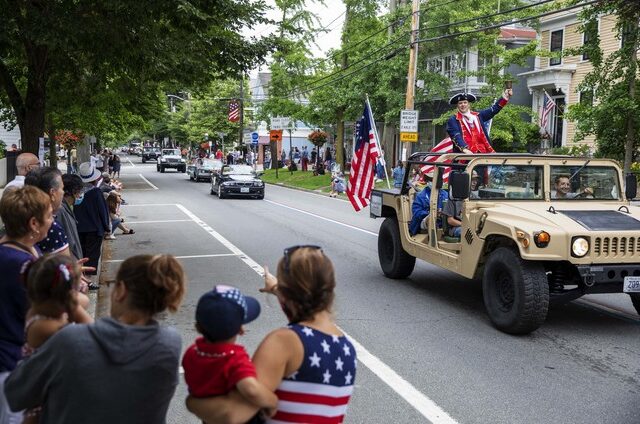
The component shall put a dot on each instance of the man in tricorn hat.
(469, 130)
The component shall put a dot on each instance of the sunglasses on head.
(289, 251)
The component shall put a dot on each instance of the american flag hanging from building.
(547, 107)
(445, 146)
(234, 111)
(365, 154)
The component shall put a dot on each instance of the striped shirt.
(320, 390)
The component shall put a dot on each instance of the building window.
(483, 62)
(556, 46)
(627, 31)
(586, 98)
(589, 36)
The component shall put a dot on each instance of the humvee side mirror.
(439, 180)
(631, 186)
(459, 185)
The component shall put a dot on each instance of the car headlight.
(227, 183)
(257, 183)
(579, 247)
(182, 160)
(163, 160)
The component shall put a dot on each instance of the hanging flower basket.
(318, 138)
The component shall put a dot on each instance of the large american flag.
(547, 107)
(365, 154)
(234, 111)
(445, 146)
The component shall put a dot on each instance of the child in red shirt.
(215, 364)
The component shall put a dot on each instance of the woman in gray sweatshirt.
(122, 369)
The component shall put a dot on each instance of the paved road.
(427, 347)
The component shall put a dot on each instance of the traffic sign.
(409, 121)
(409, 136)
(254, 137)
(280, 123)
(275, 135)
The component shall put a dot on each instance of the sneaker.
(110, 237)
(94, 286)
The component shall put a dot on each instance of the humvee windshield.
(584, 182)
(171, 152)
(509, 182)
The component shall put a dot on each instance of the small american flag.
(363, 163)
(547, 107)
(234, 111)
(445, 146)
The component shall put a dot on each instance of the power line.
(501, 24)
(481, 29)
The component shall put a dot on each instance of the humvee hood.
(566, 217)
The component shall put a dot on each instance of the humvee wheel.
(635, 299)
(394, 261)
(515, 291)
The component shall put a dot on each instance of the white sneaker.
(110, 237)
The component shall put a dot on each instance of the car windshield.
(211, 164)
(508, 182)
(238, 170)
(171, 152)
(584, 182)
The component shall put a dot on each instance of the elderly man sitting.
(420, 208)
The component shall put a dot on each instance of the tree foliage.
(119, 48)
(612, 117)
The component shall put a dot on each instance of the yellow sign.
(407, 136)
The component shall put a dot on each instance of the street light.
(173, 96)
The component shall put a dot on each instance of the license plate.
(244, 189)
(631, 285)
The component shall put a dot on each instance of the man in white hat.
(92, 215)
(421, 208)
(469, 130)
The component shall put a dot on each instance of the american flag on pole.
(234, 111)
(365, 154)
(547, 107)
(445, 146)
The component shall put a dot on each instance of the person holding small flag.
(469, 130)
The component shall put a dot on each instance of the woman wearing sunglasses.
(309, 364)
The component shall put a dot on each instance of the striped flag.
(445, 146)
(365, 154)
(547, 107)
(234, 111)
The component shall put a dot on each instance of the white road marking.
(148, 204)
(148, 182)
(129, 160)
(590, 303)
(159, 221)
(413, 396)
(322, 217)
(408, 392)
(218, 255)
(313, 193)
(226, 243)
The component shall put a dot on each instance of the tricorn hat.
(462, 96)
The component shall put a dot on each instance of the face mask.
(79, 200)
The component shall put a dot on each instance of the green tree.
(139, 43)
(613, 116)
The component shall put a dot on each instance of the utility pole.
(413, 64)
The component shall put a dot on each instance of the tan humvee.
(537, 229)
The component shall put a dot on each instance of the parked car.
(171, 158)
(237, 180)
(150, 154)
(203, 168)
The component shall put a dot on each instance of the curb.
(321, 193)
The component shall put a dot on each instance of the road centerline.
(322, 217)
(419, 401)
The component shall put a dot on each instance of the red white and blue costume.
(320, 390)
(472, 134)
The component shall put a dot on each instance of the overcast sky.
(331, 16)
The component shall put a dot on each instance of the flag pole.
(375, 132)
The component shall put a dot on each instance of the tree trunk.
(53, 154)
(339, 142)
(629, 146)
(35, 99)
(388, 137)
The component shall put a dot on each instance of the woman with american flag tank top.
(310, 364)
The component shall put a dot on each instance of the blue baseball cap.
(222, 311)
